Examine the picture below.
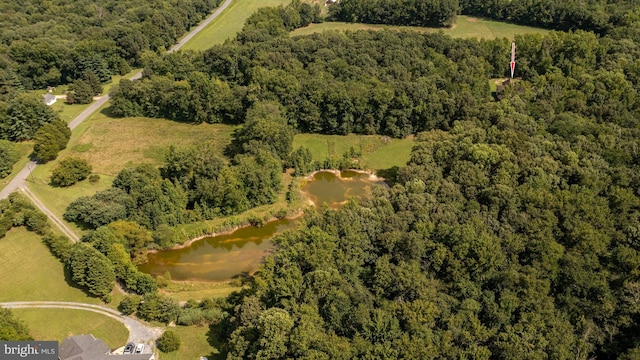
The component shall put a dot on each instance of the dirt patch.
(470, 19)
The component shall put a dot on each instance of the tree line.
(429, 13)
(601, 17)
(197, 183)
(386, 82)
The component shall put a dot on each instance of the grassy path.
(464, 27)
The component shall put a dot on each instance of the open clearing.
(464, 27)
(57, 324)
(28, 271)
(378, 152)
(185, 290)
(109, 149)
(193, 344)
(229, 23)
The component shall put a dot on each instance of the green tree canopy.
(92, 270)
(69, 171)
(8, 157)
(12, 329)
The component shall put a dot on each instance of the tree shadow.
(69, 280)
(390, 175)
(215, 333)
(82, 225)
(108, 112)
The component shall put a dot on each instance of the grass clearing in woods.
(377, 152)
(464, 27)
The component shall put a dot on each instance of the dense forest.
(50, 43)
(619, 18)
(432, 13)
(511, 233)
(501, 241)
(391, 83)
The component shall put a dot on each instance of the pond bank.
(239, 249)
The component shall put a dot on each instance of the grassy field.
(28, 271)
(57, 324)
(464, 27)
(185, 290)
(229, 23)
(194, 344)
(109, 149)
(378, 152)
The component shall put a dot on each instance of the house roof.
(87, 347)
(49, 98)
(82, 347)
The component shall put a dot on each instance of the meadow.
(464, 27)
(377, 152)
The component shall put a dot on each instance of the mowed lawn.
(28, 271)
(194, 344)
(57, 324)
(378, 152)
(464, 27)
(229, 23)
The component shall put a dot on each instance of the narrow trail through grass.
(464, 27)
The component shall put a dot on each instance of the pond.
(223, 257)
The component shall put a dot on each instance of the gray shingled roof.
(87, 347)
(49, 97)
(83, 347)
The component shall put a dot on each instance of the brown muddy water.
(223, 257)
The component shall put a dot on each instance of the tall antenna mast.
(513, 58)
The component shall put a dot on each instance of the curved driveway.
(139, 332)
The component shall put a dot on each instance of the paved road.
(139, 332)
(19, 182)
